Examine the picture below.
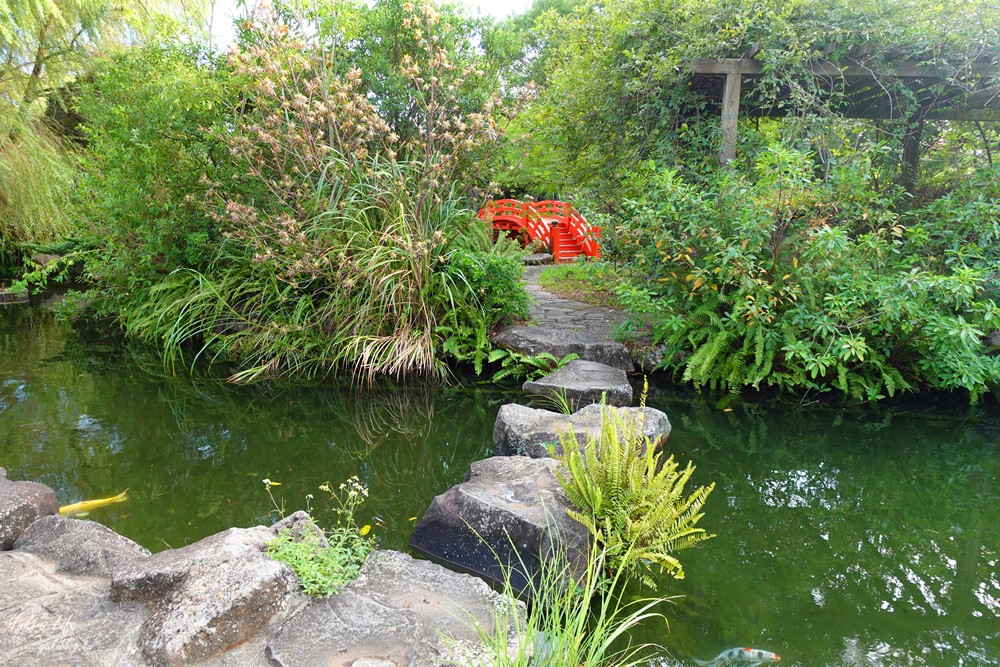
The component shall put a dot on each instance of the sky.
(222, 30)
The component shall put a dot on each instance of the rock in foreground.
(524, 431)
(207, 597)
(399, 612)
(79, 546)
(506, 519)
(21, 503)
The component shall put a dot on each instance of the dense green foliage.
(788, 281)
(149, 163)
(632, 499)
(802, 265)
(287, 227)
(619, 79)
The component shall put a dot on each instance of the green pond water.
(846, 536)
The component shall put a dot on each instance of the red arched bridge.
(556, 224)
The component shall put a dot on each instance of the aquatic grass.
(569, 622)
(367, 290)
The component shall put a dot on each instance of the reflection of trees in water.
(868, 522)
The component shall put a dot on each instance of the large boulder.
(524, 431)
(399, 612)
(79, 546)
(504, 522)
(207, 597)
(21, 503)
(582, 382)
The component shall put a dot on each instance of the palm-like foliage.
(631, 499)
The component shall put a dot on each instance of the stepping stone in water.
(583, 382)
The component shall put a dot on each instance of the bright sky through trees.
(223, 11)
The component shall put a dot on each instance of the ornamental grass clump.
(632, 499)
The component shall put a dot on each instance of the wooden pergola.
(900, 88)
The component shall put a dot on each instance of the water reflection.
(91, 421)
(845, 536)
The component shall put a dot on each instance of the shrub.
(632, 500)
(783, 280)
(335, 244)
(147, 167)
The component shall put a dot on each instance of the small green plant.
(517, 366)
(563, 626)
(558, 400)
(630, 498)
(585, 280)
(325, 561)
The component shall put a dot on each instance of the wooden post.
(730, 117)
(910, 168)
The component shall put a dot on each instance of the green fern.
(630, 498)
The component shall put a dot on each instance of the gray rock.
(560, 343)
(992, 342)
(581, 382)
(505, 520)
(21, 503)
(537, 259)
(399, 612)
(298, 524)
(529, 431)
(207, 597)
(79, 546)
(55, 618)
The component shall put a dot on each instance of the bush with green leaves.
(146, 169)
(777, 278)
(632, 499)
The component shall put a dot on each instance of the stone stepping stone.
(520, 430)
(505, 520)
(583, 382)
(537, 259)
(560, 342)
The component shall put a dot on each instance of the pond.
(846, 536)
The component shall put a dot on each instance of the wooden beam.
(900, 69)
(975, 115)
(730, 117)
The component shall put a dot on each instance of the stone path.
(565, 326)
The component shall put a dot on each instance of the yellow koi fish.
(85, 506)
